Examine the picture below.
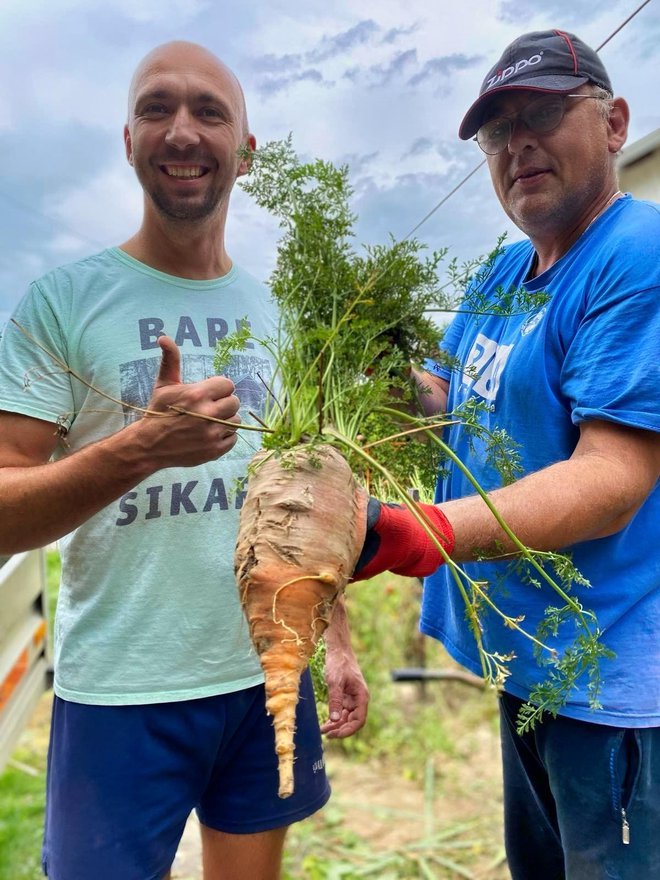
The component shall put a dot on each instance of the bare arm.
(594, 493)
(348, 695)
(40, 500)
(432, 392)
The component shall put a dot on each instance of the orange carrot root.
(299, 538)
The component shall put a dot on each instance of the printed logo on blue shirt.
(533, 321)
(484, 365)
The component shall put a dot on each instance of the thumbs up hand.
(169, 372)
(176, 438)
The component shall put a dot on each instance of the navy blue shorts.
(581, 800)
(122, 780)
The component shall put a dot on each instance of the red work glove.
(396, 542)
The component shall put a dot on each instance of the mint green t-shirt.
(148, 608)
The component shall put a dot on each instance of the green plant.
(351, 324)
(53, 569)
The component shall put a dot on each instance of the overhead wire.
(444, 199)
(622, 25)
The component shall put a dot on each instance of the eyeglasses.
(540, 116)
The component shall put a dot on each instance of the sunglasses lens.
(540, 116)
(494, 135)
(543, 115)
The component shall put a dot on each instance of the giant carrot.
(299, 538)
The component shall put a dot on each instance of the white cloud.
(65, 66)
(107, 209)
(181, 11)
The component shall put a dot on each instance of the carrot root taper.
(299, 538)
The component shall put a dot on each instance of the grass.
(22, 798)
(415, 794)
(21, 819)
(446, 855)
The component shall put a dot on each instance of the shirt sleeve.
(612, 366)
(449, 345)
(34, 377)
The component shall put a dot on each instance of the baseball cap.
(543, 61)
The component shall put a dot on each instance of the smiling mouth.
(186, 172)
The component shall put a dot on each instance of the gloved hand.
(396, 542)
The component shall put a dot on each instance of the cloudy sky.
(380, 86)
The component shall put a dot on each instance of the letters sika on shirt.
(148, 609)
(591, 352)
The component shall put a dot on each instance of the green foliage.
(317, 670)
(351, 324)
(233, 342)
(463, 289)
(515, 301)
(582, 657)
(495, 445)
(53, 569)
(22, 801)
(23, 783)
(319, 280)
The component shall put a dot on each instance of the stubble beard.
(185, 209)
(562, 209)
(181, 208)
(562, 213)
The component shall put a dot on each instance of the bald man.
(159, 703)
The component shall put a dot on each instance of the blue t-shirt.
(590, 352)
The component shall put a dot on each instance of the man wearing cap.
(574, 383)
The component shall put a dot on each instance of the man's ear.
(247, 149)
(618, 124)
(128, 144)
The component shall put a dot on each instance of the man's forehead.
(171, 85)
(174, 66)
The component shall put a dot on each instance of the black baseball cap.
(543, 61)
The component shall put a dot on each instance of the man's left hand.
(348, 695)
